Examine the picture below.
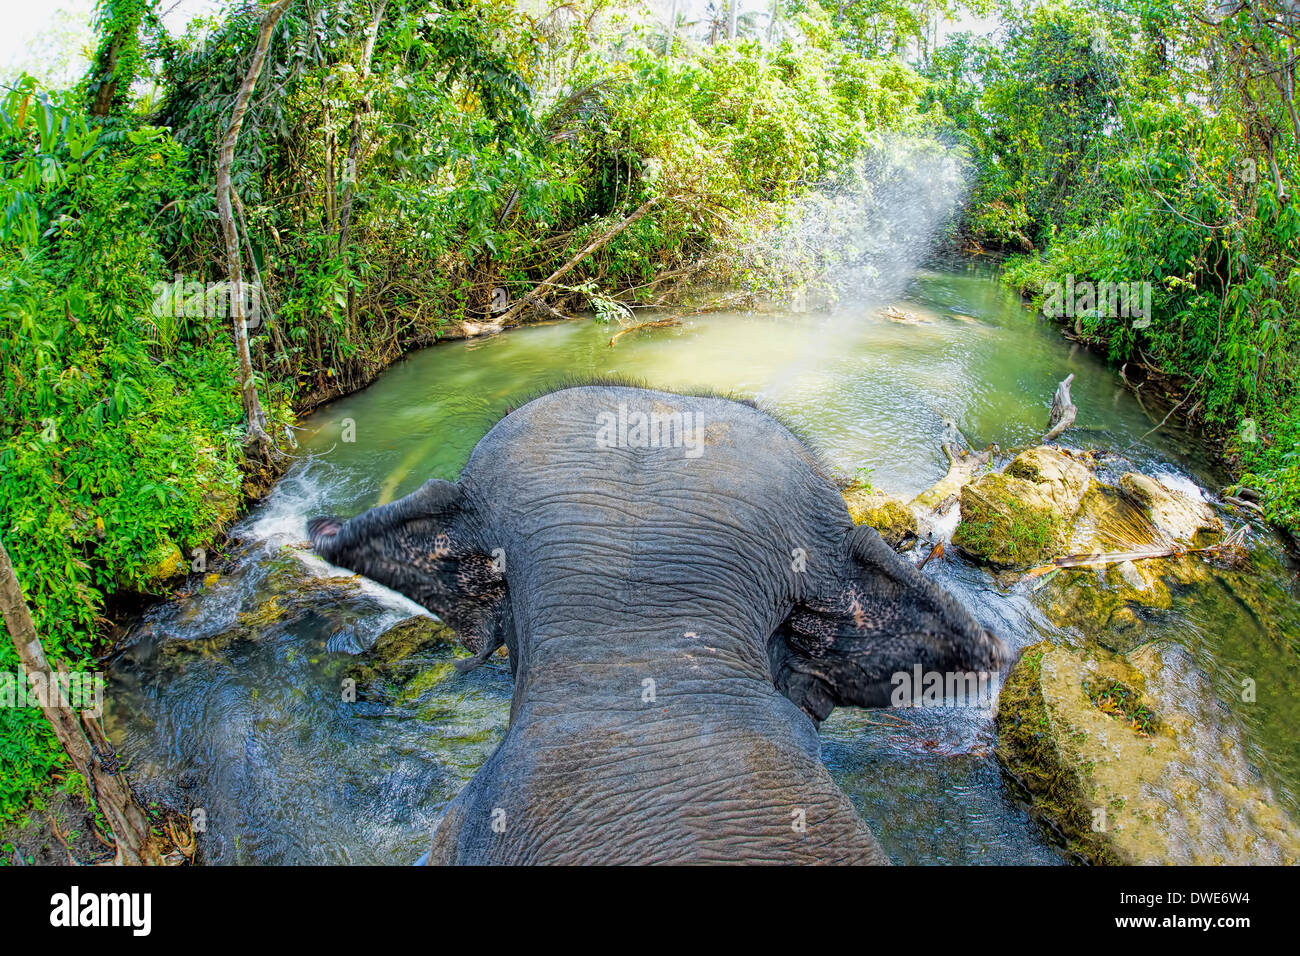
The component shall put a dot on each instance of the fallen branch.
(717, 305)
(540, 289)
(657, 324)
(1103, 559)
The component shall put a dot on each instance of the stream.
(227, 698)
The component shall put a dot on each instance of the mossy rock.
(399, 657)
(1175, 514)
(889, 516)
(1021, 517)
(164, 563)
(1044, 769)
(1058, 476)
(268, 597)
(1111, 770)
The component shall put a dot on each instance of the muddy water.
(230, 698)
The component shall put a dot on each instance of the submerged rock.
(393, 668)
(888, 515)
(1112, 772)
(1021, 516)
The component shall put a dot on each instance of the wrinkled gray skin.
(625, 566)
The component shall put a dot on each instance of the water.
(233, 703)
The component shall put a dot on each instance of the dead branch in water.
(1103, 559)
(935, 552)
(717, 305)
(657, 324)
(1063, 410)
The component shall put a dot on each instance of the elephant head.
(683, 596)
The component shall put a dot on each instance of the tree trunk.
(354, 133)
(136, 844)
(106, 87)
(540, 289)
(731, 18)
(247, 383)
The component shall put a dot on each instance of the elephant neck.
(628, 666)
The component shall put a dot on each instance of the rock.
(1172, 512)
(1021, 517)
(1059, 477)
(409, 637)
(1115, 604)
(889, 516)
(390, 669)
(1116, 774)
(162, 564)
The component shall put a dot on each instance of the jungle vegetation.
(397, 162)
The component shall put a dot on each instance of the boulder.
(1175, 514)
(889, 516)
(1116, 774)
(403, 659)
(1021, 517)
(162, 564)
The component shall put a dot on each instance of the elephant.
(683, 597)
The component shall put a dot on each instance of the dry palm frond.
(1125, 528)
(581, 105)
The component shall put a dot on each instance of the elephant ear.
(419, 546)
(878, 618)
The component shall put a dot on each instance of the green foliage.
(118, 437)
(1145, 146)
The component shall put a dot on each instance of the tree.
(354, 134)
(256, 417)
(80, 736)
